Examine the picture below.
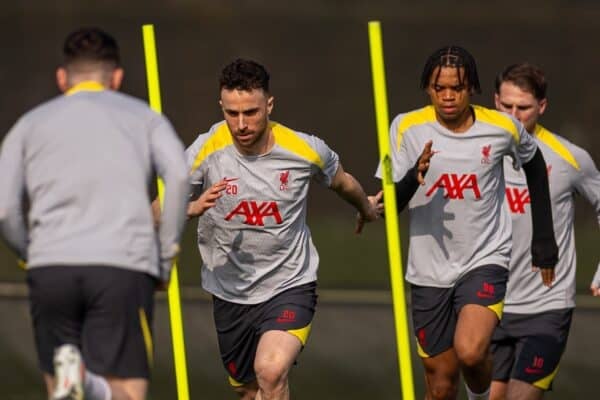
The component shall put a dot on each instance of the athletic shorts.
(105, 311)
(528, 347)
(435, 310)
(240, 326)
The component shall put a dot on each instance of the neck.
(460, 124)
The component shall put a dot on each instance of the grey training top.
(457, 221)
(84, 161)
(570, 171)
(255, 242)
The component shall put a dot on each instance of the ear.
(270, 103)
(497, 101)
(116, 78)
(61, 79)
(543, 104)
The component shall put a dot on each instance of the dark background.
(317, 53)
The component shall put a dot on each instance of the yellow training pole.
(173, 292)
(391, 212)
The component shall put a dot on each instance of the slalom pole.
(173, 290)
(391, 213)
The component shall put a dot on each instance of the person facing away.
(447, 160)
(83, 162)
(531, 338)
(259, 261)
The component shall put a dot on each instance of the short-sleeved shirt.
(255, 242)
(571, 171)
(457, 220)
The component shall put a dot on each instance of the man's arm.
(170, 164)
(13, 227)
(544, 250)
(408, 185)
(349, 189)
(587, 184)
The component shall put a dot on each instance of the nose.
(513, 111)
(447, 94)
(242, 122)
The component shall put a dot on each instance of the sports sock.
(96, 387)
(474, 396)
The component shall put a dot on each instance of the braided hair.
(452, 56)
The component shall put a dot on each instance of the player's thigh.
(434, 319)
(538, 359)
(117, 332)
(57, 309)
(132, 389)
(240, 327)
(276, 353)
(479, 299)
(519, 390)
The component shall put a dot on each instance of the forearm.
(543, 245)
(349, 189)
(406, 188)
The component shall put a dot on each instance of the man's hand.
(207, 200)
(547, 275)
(374, 211)
(424, 161)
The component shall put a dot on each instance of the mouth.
(449, 109)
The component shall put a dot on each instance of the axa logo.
(486, 151)
(537, 366)
(286, 316)
(284, 179)
(517, 199)
(487, 291)
(255, 213)
(454, 186)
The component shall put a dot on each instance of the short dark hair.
(526, 76)
(91, 45)
(452, 56)
(244, 75)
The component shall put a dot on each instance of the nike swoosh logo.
(230, 179)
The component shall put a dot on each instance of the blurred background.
(318, 56)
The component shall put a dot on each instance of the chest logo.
(254, 212)
(284, 178)
(486, 152)
(454, 186)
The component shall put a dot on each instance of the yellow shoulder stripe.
(85, 86)
(498, 119)
(548, 138)
(220, 139)
(289, 140)
(418, 117)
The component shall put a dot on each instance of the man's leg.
(276, 353)
(519, 390)
(498, 390)
(442, 376)
(472, 339)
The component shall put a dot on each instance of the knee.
(470, 355)
(271, 376)
(443, 390)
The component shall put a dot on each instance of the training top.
(255, 242)
(84, 162)
(571, 171)
(457, 220)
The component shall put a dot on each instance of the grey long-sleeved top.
(83, 163)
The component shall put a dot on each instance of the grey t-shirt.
(571, 171)
(84, 161)
(255, 242)
(457, 220)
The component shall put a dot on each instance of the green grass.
(347, 260)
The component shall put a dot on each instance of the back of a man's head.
(244, 75)
(89, 49)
